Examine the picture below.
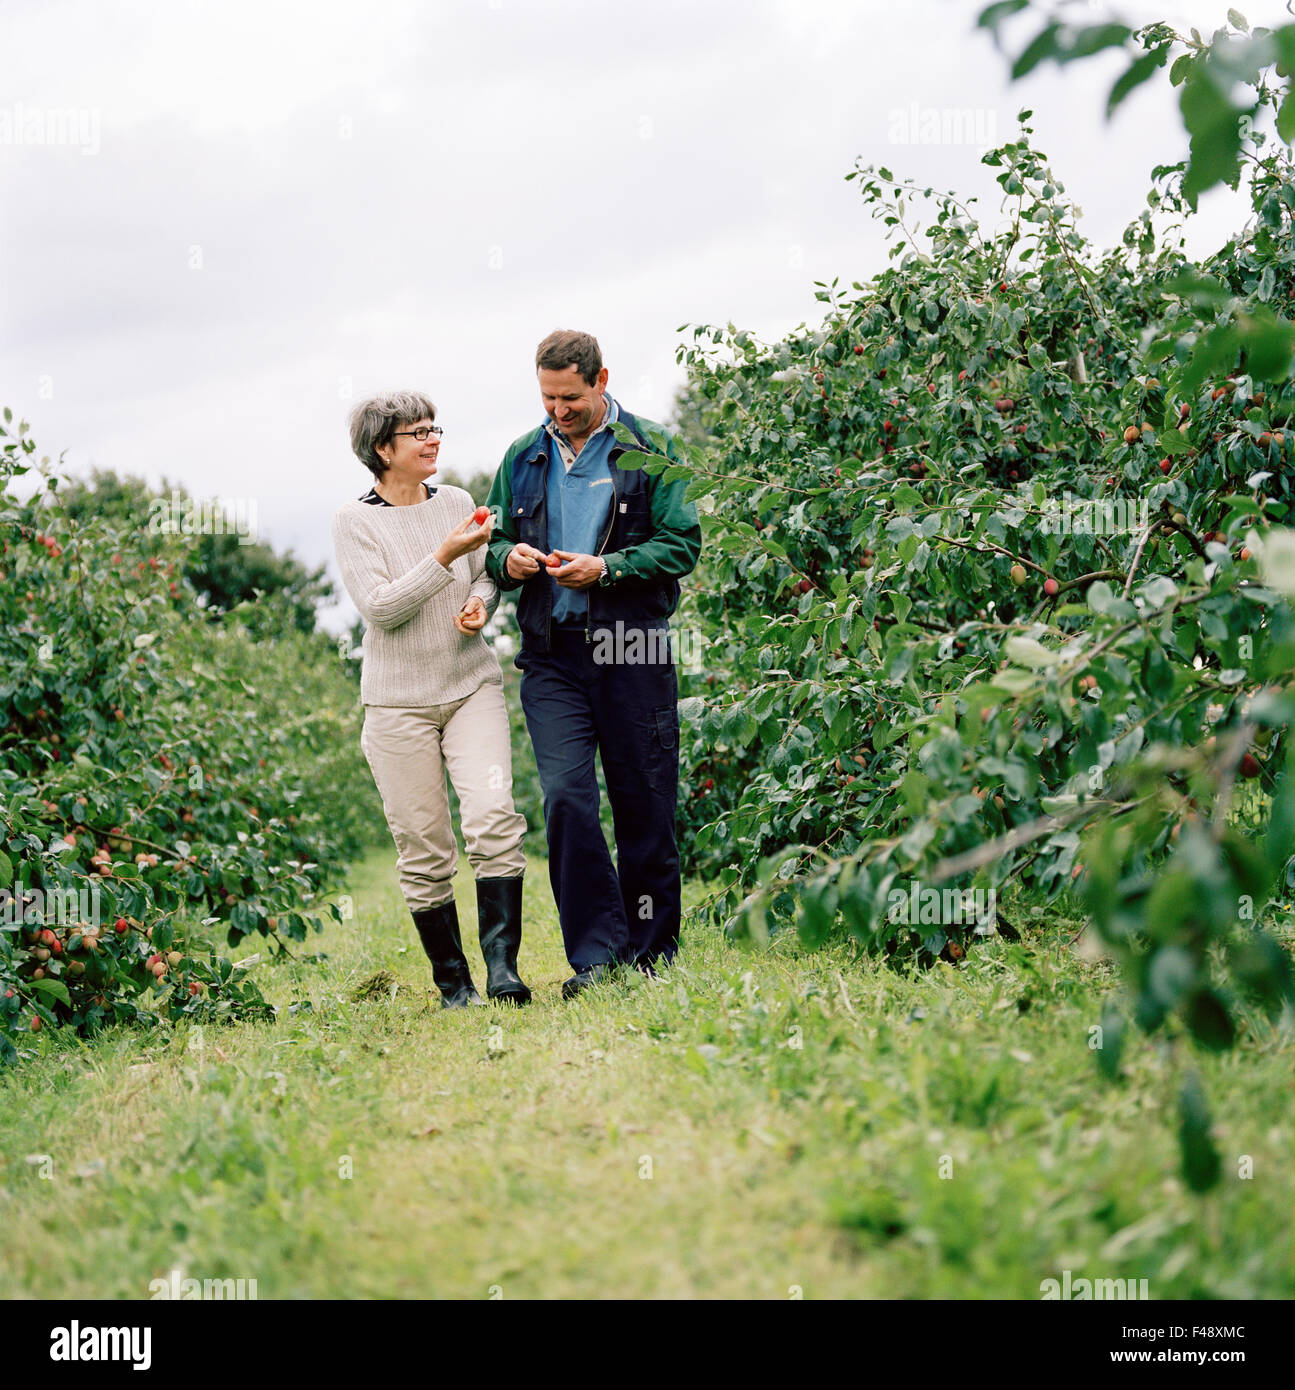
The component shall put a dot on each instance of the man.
(597, 549)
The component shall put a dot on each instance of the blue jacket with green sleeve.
(653, 537)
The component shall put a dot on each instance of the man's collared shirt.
(579, 502)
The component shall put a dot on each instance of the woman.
(413, 562)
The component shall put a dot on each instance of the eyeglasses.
(422, 432)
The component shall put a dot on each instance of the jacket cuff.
(617, 568)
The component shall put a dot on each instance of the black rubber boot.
(499, 917)
(439, 929)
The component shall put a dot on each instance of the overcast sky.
(270, 209)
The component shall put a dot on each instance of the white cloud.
(399, 193)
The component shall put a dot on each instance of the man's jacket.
(652, 537)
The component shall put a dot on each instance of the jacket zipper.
(603, 545)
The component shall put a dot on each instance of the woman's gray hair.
(375, 421)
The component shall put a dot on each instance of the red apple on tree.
(1051, 587)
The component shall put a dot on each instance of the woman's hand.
(465, 537)
(471, 617)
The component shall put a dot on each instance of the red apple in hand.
(480, 515)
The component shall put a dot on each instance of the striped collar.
(372, 498)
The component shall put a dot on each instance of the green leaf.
(1094, 39)
(1286, 116)
(1043, 45)
(993, 15)
(1200, 1159)
(1025, 651)
(1204, 291)
(1277, 561)
(816, 917)
(1135, 75)
(1172, 970)
(1264, 969)
(1174, 444)
(1182, 65)
(56, 989)
(1013, 682)
(1209, 1021)
(1214, 126)
(1268, 343)
(1108, 1055)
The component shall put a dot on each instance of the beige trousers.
(410, 751)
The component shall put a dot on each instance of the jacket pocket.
(528, 516)
(633, 520)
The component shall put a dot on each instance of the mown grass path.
(759, 1124)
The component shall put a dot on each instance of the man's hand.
(523, 561)
(579, 572)
(472, 617)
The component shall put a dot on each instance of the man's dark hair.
(564, 348)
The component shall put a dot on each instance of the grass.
(757, 1124)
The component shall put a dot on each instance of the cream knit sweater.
(413, 653)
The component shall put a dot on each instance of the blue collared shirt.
(579, 494)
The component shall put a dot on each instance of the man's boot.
(499, 916)
(439, 929)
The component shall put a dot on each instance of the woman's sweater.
(413, 653)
